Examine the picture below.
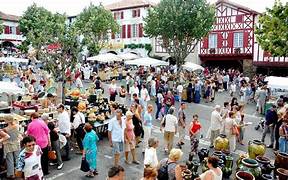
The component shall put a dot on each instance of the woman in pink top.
(40, 131)
(130, 138)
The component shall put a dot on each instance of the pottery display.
(256, 148)
(221, 143)
(281, 160)
(203, 153)
(282, 174)
(267, 177)
(252, 166)
(265, 165)
(219, 154)
(186, 174)
(242, 175)
(194, 169)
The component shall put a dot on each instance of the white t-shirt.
(144, 95)
(79, 118)
(216, 120)
(180, 88)
(64, 122)
(171, 123)
(151, 157)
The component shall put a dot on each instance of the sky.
(74, 7)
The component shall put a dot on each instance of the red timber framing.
(231, 20)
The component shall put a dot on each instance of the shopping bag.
(84, 165)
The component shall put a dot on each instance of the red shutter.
(138, 13)
(239, 18)
(115, 16)
(7, 30)
(17, 30)
(141, 30)
(230, 39)
(122, 15)
(205, 43)
(245, 39)
(124, 31)
(219, 40)
(113, 36)
(129, 31)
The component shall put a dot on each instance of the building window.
(238, 39)
(136, 13)
(12, 30)
(119, 15)
(134, 30)
(212, 41)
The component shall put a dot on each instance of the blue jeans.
(283, 145)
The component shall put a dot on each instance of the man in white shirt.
(150, 158)
(134, 90)
(216, 124)
(78, 125)
(64, 128)
(116, 129)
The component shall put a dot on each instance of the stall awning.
(147, 62)
(104, 58)
(275, 82)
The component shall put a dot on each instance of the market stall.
(192, 66)
(105, 58)
(128, 56)
(147, 61)
(278, 86)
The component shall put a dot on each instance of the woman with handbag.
(90, 149)
(231, 130)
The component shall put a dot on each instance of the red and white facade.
(232, 35)
(11, 32)
(130, 16)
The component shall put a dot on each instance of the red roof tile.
(8, 17)
(127, 4)
(236, 5)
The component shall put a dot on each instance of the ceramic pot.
(264, 163)
(256, 148)
(221, 143)
(242, 175)
(282, 174)
(189, 165)
(194, 170)
(267, 177)
(227, 169)
(252, 166)
(219, 154)
(203, 153)
(281, 160)
(186, 174)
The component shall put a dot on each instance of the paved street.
(133, 172)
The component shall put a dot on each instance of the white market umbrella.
(147, 61)
(277, 82)
(104, 58)
(192, 66)
(13, 60)
(10, 88)
(128, 56)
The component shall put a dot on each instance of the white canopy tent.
(277, 82)
(11, 88)
(104, 58)
(14, 60)
(147, 62)
(192, 66)
(128, 56)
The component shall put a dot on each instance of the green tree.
(1, 26)
(42, 28)
(180, 24)
(272, 31)
(95, 23)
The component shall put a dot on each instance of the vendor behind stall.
(50, 100)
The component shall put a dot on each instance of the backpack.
(163, 171)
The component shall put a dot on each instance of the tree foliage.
(272, 32)
(180, 24)
(1, 26)
(43, 28)
(95, 23)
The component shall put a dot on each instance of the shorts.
(129, 147)
(117, 147)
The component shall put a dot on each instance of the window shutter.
(124, 31)
(138, 13)
(205, 43)
(7, 30)
(129, 31)
(115, 16)
(141, 30)
(122, 15)
(18, 30)
(219, 40)
(230, 39)
(113, 35)
(245, 39)
(133, 13)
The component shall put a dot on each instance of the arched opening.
(112, 52)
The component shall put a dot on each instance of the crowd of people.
(140, 90)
